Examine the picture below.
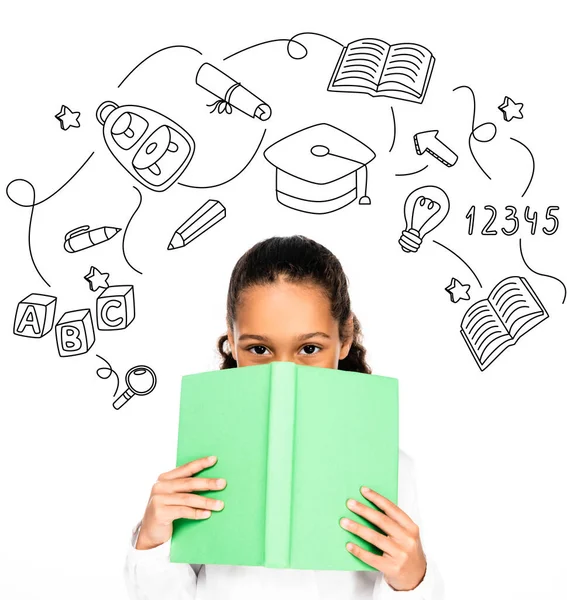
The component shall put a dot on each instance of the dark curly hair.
(297, 258)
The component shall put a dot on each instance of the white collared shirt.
(151, 576)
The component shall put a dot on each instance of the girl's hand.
(403, 562)
(171, 499)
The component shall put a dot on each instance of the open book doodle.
(370, 66)
(492, 325)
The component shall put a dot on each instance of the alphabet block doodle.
(115, 308)
(35, 316)
(75, 333)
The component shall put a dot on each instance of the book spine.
(281, 427)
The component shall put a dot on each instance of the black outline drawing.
(41, 323)
(492, 325)
(107, 372)
(31, 191)
(67, 118)
(461, 259)
(230, 93)
(131, 390)
(533, 164)
(126, 231)
(395, 129)
(207, 215)
(457, 290)
(374, 66)
(151, 147)
(543, 274)
(340, 179)
(86, 332)
(510, 109)
(83, 237)
(119, 299)
(422, 215)
(412, 173)
(427, 141)
(96, 279)
(513, 217)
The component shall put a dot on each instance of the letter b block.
(115, 308)
(35, 315)
(75, 332)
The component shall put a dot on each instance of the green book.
(294, 443)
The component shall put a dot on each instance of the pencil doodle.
(543, 274)
(371, 66)
(84, 237)
(424, 210)
(320, 169)
(126, 231)
(96, 279)
(230, 93)
(427, 141)
(209, 214)
(490, 326)
(394, 128)
(533, 164)
(67, 118)
(151, 147)
(115, 308)
(22, 193)
(412, 173)
(461, 259)
(140, 381)
(35, 316)
(75, 333)
(107, 372)
(510, 109)
(458, 291)
(512, 218)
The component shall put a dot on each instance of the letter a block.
(115, 307)
(35, 316)
(75, 332)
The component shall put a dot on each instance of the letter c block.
(74, 333)
(115, 308)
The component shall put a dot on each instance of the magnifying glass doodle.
(140, 381)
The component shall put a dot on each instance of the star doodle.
(511, 110)
(458, 291)
(97, 279)
(67, 118)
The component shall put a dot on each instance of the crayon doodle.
(201, 220)
(84, 237)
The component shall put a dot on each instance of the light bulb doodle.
(140, 381)
(424, 210)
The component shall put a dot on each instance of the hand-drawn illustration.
(371, 66)
(544, 275)
(427, 141)
(152, 148)
(35, 316)
(115, 308)
(458, 291)
(424, 210)
(107, 372)
(97, 279)
(411, 173)
(67, 118)
(126, 231)
(75, 333)
(209, 214)
(510, 109)
(490, 326)
(140, 381)
(461, 259)
(84, 237)
(533, 164)
(230, 93)
(320, 169)
(513, 220)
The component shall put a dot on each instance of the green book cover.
(293, 443)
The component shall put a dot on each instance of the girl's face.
(289, 322)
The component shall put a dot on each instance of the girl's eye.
(258, 349)
(310, 349)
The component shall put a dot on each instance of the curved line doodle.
(412, 173)
(157, 52)
(533, 164)
(464, 262)
(543, 274)
(126, 231)
(29, 191)
(107, 372)
(394, 138)
(206, 187)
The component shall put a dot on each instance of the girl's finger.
(377, 518)
(189, 469)
(378, 562)
(188, 484)
(383, 542)
(185, 512)
(393, 511)
(193, 500)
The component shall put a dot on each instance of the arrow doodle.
(427, 141)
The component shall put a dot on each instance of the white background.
(489, 447)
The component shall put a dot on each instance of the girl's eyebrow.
(307, 336)
(300, 338)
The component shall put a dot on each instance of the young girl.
(287, 300)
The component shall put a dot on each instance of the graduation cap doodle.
(320, 169)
